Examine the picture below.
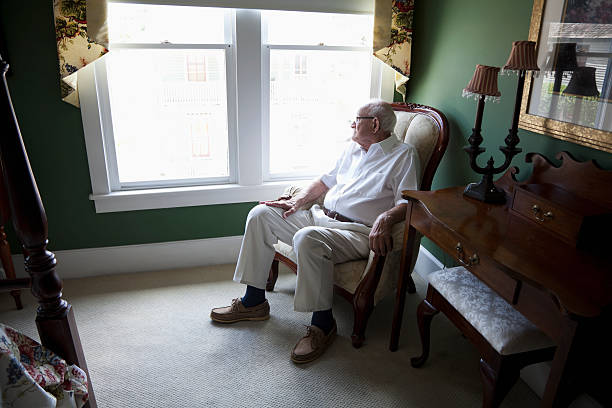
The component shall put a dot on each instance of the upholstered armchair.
(365, 282)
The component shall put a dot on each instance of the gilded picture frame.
(544, 122)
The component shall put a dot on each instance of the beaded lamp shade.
(582, 83)
(484, 82)
(522, 57)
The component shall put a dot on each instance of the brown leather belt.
(336, 216)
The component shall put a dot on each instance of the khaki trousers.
(318, 241)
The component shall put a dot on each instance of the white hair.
(383, 111)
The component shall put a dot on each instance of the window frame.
(248, 180)
(101, 72)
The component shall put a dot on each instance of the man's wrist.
(297, 203)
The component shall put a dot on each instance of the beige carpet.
(149, 342)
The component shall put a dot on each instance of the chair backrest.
(425, 128)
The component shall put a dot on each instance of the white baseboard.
(426, 263)
(80, 263)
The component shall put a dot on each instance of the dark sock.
(253, 296)
(323, 319)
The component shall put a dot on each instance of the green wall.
(451, 37)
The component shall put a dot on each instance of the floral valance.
(82, 37)
(393, 37)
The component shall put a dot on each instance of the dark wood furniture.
(499, 369)
(54, 317)
(363, 298)
(5, 249)
(564, 290)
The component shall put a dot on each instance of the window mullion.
(230, 82)
(265, 106)
(249, 89)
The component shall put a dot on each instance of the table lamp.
(484, 83)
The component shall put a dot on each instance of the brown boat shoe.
(237, 312)
(311, 346)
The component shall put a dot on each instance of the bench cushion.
(506, 329)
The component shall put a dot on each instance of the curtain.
(393, 37)
(82, 37)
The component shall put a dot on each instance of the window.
(316, 84)
(198, 105)
(169, 117)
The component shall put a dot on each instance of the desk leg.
(404, 279)
(558, 392)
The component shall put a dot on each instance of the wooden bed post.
(54, 317)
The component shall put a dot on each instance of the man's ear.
(375, 125)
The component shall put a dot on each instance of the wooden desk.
(566, 292)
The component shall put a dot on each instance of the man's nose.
(353, 124)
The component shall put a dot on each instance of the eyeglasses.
(358, 118)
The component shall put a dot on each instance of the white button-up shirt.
(365, 184)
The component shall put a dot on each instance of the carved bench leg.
(273, 276)
(425, 314)
(497, 383)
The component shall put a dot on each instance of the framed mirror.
(571, 97)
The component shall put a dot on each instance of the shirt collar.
(388, 144)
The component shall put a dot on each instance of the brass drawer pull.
(548, 215)
(472, 260)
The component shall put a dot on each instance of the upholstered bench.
(506, 340)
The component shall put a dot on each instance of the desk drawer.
(480, 265)
(549, 215)
(573, 219)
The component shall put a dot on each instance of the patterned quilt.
(33, 376)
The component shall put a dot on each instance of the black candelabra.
(484, 85)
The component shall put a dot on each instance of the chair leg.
(273, 276)
(363, 300)
(425, 314)
(497, 383)
(361, 311)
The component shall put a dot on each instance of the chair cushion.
(347, 275)
(507, 330)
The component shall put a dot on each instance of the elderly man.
(362, 203)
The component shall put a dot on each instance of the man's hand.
(381, 241)
(290, 205)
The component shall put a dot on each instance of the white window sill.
(188, 196)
